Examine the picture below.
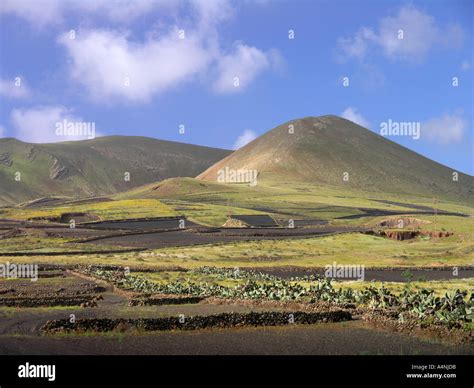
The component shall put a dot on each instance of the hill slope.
(322, 149)
(95, 167)
(174, 187)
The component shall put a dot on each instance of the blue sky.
(129, 69)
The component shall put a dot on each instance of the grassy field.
(37, 244)
(210, 202)
(440, 287)
(354, 248)
(111, 210)
(206, 213)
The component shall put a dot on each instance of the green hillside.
(95, 167)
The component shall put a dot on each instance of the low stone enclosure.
(402, 235)
(224, 320)
(55, 288)
(404, 228)
(83, 301)
(160, 300)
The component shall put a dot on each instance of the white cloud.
(357, 46)
(121, 10)
(246, 137)
(354, 116)
(9, 88)
(37, 12)
(237, 70)
(42, 13)
(39, 124)
(2, 131)
(465, 65)
(446, 129)
(109, 65)
(211, 12)
(420, 35)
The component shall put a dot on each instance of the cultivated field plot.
(206, 236)
(104, 310)
(51, 288)
(247, 274)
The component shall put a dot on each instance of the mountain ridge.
(329, 150)
(95, 167)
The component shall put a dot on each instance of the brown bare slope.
(322, 149)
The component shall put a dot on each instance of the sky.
(220, 72)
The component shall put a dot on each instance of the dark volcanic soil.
(20, 330)
(143, 224)
(320, 339)
(369, 212)
(211, 236)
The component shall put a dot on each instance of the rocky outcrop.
(233, 223)
(57, 170)
(30, 156)
(401, 222)
(436, 234)
(6, 160)
(402, 235)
